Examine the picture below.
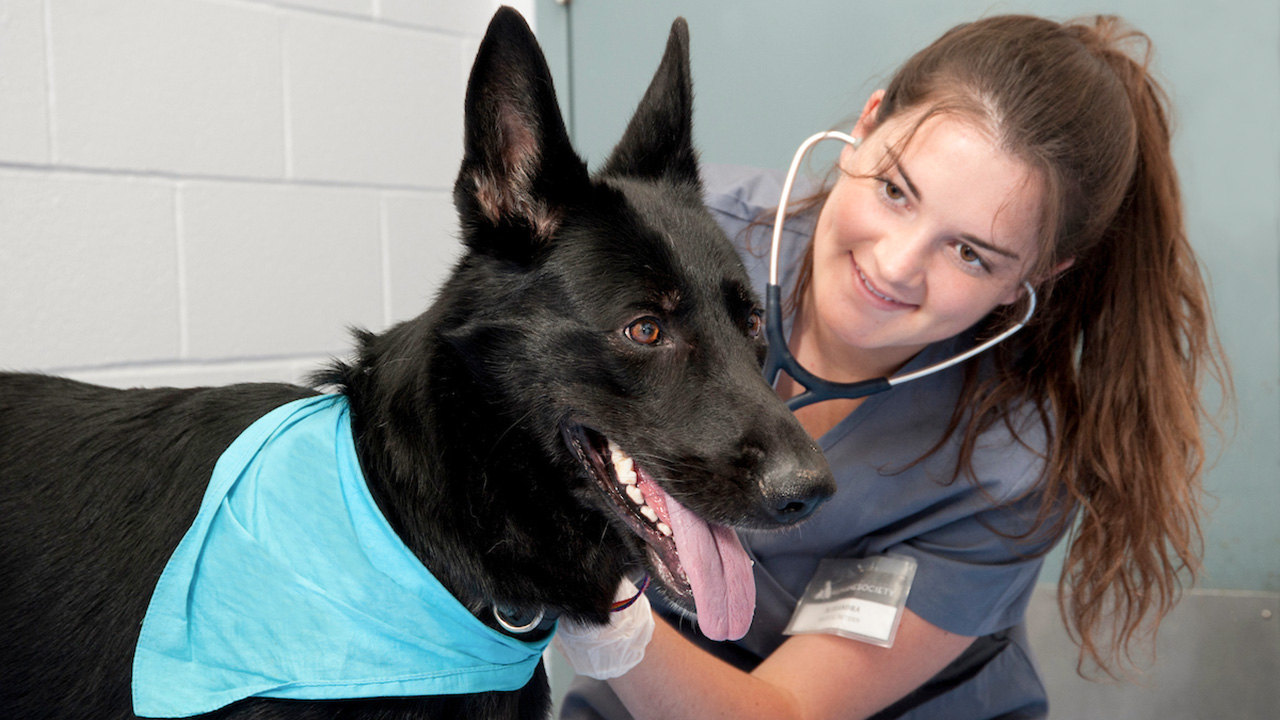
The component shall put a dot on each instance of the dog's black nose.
(796, 497)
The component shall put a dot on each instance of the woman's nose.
(901, 259)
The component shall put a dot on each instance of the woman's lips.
(874, 294)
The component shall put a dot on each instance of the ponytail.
(1131, 455)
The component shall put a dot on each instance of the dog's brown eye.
(755, 323)
(645, 331)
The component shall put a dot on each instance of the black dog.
(588, 314)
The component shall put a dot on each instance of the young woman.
(1012, 150)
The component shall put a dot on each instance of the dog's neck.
(467, 489)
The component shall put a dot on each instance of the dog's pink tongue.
(719, 571)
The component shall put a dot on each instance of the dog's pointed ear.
(518, 167)
(658, 142)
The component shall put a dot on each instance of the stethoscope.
(780, 358)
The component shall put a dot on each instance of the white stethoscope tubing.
(818, 389)
(786, 192)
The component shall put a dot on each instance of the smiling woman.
(780, 359)
(898, 260)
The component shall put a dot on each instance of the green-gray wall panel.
(768, 74)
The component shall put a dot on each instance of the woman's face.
(925, 248)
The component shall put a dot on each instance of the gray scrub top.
(974, 574)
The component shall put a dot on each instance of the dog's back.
(117, 472)
(97, 487)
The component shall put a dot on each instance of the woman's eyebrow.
(897, 164)
(984, 244)
(990, 247)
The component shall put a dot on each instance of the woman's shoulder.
(742, 200)
(1010, 454)
(738, 197)
(745, 192)
(740, 190)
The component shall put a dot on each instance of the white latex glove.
(608, 651)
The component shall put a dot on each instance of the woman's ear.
(1015, 294)
(1061, 267)
(868, 119)
(866, 123)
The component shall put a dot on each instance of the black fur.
(470, 420)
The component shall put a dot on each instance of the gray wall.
(768, 74)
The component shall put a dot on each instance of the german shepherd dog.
(599, 340)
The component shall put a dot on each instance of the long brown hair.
(1115, 357)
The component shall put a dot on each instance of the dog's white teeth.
(624, 469)
(626, 473)
(623, 466)
(634, 493)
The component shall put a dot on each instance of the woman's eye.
(891, 191)
(969, 257)
(645, 331)
(755, 323)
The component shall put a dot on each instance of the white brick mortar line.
(73, 170)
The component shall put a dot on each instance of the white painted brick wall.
(88, 270)
(278, 270)
(212, 191)
(378, 121)
(24, 111)
(185, 87)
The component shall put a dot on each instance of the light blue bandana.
(291, 584)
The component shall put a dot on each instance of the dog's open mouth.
(700, 565)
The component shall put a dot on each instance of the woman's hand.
(607, 651)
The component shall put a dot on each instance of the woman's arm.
(808, 677)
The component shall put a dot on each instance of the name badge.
(857, 598)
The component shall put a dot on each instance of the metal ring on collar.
(518, 629)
